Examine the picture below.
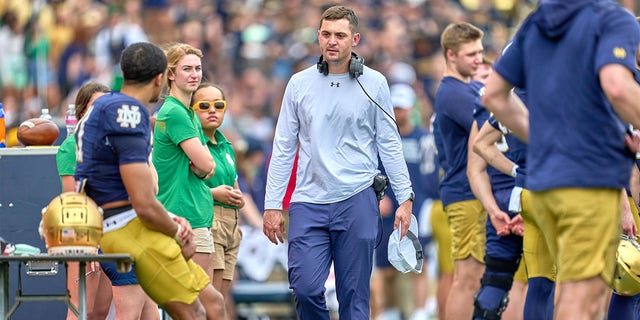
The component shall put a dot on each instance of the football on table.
(38, 132)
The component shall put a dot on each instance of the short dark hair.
(141, 62)
(341, 12)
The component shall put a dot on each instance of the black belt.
(108, 213)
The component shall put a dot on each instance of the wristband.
(176, 237)
(208, 174)
(514, 171)
(202, 177)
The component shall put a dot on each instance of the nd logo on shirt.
(128, 116)
(230, 160)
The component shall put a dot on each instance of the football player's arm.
(138, 180)
(506, 107)
(201, 162)
(485, 146)
(154, 175)
(481, 187)
(634, 183)
(626, 217)
(622, 90)
(132, 151)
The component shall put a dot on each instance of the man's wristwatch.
(412, 196)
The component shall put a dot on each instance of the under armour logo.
(337, 84)
(128, 116)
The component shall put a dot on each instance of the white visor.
(406, 254)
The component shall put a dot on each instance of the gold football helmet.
(626, 279)
(72, 224)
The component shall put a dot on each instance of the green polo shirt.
(225, 158)
(66, 157)
(180, 190)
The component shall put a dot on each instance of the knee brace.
(499, 272)
(495, 314)
(493, 297)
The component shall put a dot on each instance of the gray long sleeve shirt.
(340, 133)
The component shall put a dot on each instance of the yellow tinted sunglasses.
(205, 106)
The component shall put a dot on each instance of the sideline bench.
(254, 299)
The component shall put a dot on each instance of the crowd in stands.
(50, 48)
(251, 48)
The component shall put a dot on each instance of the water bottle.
(3, 129)
(70, 119)
(45, 114)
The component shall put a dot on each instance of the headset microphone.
(356, 68)
(356, 65)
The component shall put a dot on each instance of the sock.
(539, 300)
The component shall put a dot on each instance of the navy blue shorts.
(504, 247)
(117, 278)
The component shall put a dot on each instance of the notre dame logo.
(128, 116)
(619, 53)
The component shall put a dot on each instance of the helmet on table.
(626, 279)
(72, 224)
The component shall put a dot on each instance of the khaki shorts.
(203, 238)
(536, 254)
(226, 237)
(442, 235)
(582, 229)
(161, 269)
(467, 221)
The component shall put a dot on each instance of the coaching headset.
(356, 64)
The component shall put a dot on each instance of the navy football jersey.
(498, 179)
(454, 117)
(514, 149)
(576, 139)
(113, 132)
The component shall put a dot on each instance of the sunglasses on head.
(205, 106)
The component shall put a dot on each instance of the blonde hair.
(457, 34)
(177, 51)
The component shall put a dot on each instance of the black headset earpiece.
(323, 66)
(356, 65)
